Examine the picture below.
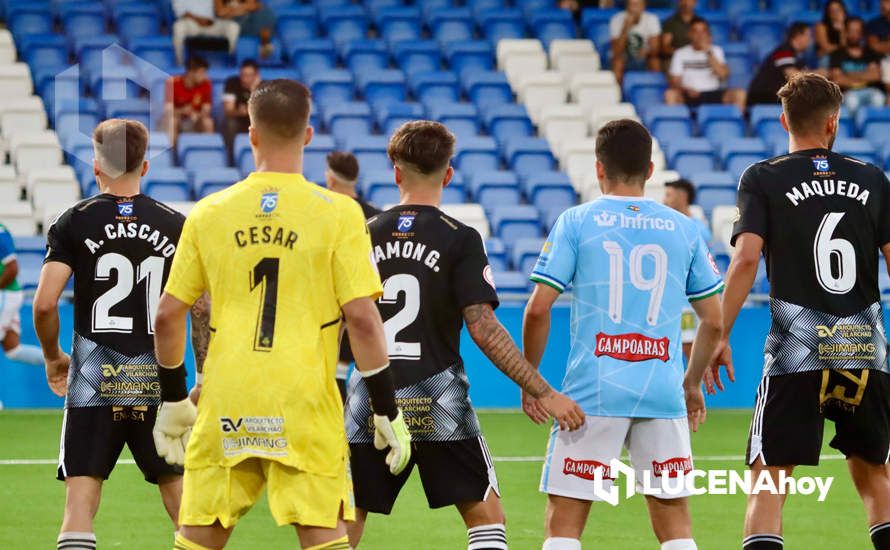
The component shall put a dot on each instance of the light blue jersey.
(633, 265)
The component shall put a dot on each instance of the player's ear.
(310, 131)
(96, 170)
(251, 134)
(784, 122)
(397, 173)
(651, 170)
(600, 171)
(449, 173)
(144, 168)
(832, 124)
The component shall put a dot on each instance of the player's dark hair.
(280, 108)
(699, 20)
(796, 29)
(425, 146)
(625, 149)
(120, 145)
(685, 186)
(808, 99)
(250, 63)
(853, 19)
(343, 164)
(196, 62)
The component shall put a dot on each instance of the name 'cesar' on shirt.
(805, 190)
(266, 234)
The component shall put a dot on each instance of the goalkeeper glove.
(395, 435)
(173, 426)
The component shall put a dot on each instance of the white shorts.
(688, 325)
(657, 446)
(10, 304)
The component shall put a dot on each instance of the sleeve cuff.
(8, 258)
(705, 293)
(548, 280)
(182, 295)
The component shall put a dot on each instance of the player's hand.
(563, 408)
(722, 356)
(695, 405)
(533, 409)
(395, 435)
(195, 394)
(57, 373)
(173, 426)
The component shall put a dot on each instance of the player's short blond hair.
(119, 146)
(423, 146)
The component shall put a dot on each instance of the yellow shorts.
(226, 494)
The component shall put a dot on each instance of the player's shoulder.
(165, 212)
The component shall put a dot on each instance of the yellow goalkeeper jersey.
(279, 257)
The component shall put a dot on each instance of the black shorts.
(451, 472)
(93, 438)
(714, 96)
(791, 409)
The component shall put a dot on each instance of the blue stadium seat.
(764, 30)
(508, 121)
(550, 190)
(720, 23)
(722, 260)
(370, 180)
(134, 109)
(344, 23)
(709, 197)
(36, 244)
(487, 89)
(511, 282)
(765, 122)
(469, 55)
(167, 182)
(512, 223)
(211, 180)
(241, 149)
(376, 6)
(476, 154)
(397, 24)
(116, 82)
(790, 8)
(157, 50)
(668, 122)
(43, 50)
(200, 151)
(499, 24)
(690, 155)
(529, 7)
(736, 8)
(737, 154)
(846, 127)
(644, 88)
(419, 56)
(493, 187)
(874, 124)
(296, 23)
(391, 116)
(497, 254)
(595, 25)
(365, 55)
(30, 264)
(713, 179)
(720, 122)
(382, 87)
(350, 118)
(134, 20)
(455, 192)
(370, 151)
(435, 87)
(528, 156)
(482, 6)
(76, 117)
(315, 156)
(169, 192)
(160, 152)
(248, 47)
(313, 55)
(461, 118)
(551, 24)
(451, 24)
(427, 7)
(330, 87)
(88, 50)
(383, 195)
(29, 19)
(857, 148)
(82, 19)
(525, 254)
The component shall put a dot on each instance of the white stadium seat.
(52, 210)
(18, 217)
(603, 114)
(722, 219)
(561, 123)
(573, 56)
(471, 214)
(521, 64)
(579, 159)
(22, 115)
(35, 150)
(659, 178)
(183, 207)
(10, 188)
(509, 47)
(537, 90)
(594, 89)
(7, 48)
(15, 81)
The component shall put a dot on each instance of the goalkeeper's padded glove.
(395, 435)
(173, 426)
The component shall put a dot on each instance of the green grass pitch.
(131, 515)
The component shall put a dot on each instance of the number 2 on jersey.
(265, 276)
(654, 284)
(392, 287)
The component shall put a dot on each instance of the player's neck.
(121, 187)
(284, 162)
(804, 143)
(619, 190)
(347, 190)
(421, 198)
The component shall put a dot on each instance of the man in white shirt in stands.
(634, 33)
(198, 18)
(699, 71)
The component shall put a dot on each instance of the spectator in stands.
(235, 95)
(830, 32)
(187, 105)
(779, 65)
(199, 18)
(675, 30)
(698, 71)
(878, 36)
(857, 70)
(634, 34)
(253, 18)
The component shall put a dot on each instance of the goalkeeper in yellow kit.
(281, 258)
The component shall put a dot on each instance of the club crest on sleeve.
(269, 202)
(405, 223)
(489, 276)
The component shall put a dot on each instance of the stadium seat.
(510, 47)
(469, 55)
(331, 87)
(497, 254)
(427, 7)
(690, 156)
(511, 282)
(499, 24)
(644, 88)
(451, 24)
(573, 56)
(527, 156)
(200, 151)
(710, 197)
(43, 50)
(874, 124)
(537, 90)
(313, 55)
(210, 180)
(160, 152)
(737, 154)
(455, 192)
(397, 24)
(592, 90)
(295, 23)
(765, 30)
(525, 254)
(470, 214)
(487, 89)
(476, 154)
(134, 20)
(714, 179)
(172, 183)
(315, 157)
(34, 150)
(512, 223)
(344, 23)
(18, 217)
(365, 55)
(370, 151)
(22, 115)
(562, 122)
(668, 121)
(578, 159)
(722, 221)
(507, 121)
(603, 114)
(82, 19)
(382, 87)
(116, 82)
(391, 116)
(857, 148)
(595, 25)
(29, 20)
(736, 8)
(135, 109)
(435, 87)
(461, 118)
(720, 122)
(549, 190)
(494, 187)
(15, 81)
(521, 66)
(420, 56)
(552, 24)
(351, 118)
(157, 50)
(10, 188)
(720, 24)
(765, 122)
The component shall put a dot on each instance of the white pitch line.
(704, 458)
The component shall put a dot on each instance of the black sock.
(880, 536)
(763, 541)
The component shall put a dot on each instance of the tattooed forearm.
(494, 341)
(201, 330)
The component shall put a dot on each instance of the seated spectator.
(698, 71)
(187, 105)
(235, 95)
(779, 65)
(878, 36)
(857, 70)
(253, 18)
(830, 31)
(199, 18)
(675, 30)
(634, 34)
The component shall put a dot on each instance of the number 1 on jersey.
(265, 276)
